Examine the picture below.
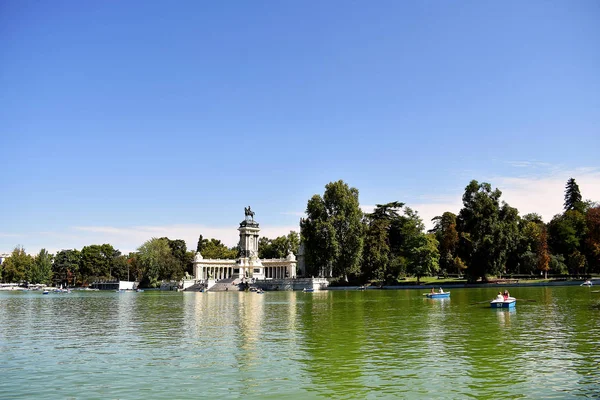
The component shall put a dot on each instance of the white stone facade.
(248, 265)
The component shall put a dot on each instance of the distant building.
(248, 265)
(3, 256)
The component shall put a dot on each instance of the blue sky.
(122, 121)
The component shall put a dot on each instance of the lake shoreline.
(459, 285)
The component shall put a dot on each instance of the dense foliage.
(333, 231)
(487, 238)
(279, 247)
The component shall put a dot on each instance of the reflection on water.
(291, 344)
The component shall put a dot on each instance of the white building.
(248, 265)
(3, 256)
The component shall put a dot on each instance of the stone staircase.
(226, 285)
(196, 287)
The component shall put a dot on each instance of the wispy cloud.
(9, 235)
(545, 194)
(540, 191)
(542, 194)
(128, 239)
(530, 164)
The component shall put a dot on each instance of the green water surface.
(336, 344)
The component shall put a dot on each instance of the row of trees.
(486, 238)
(156, 260)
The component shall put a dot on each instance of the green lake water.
(336, 344)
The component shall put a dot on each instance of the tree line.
(488, 238)
(155, 260)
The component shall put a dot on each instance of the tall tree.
(333, 231)
(424, 257)
(66, 266)
(379, 263)
(96, 262)
(293, 241)
(319, 238)
(543, 256)
(526, 254)
(376, 253)
(573, 196)
(179, 251)
(566, 232)
(199, 245)
(157, 262)
(592, 240)
(41, 269)
(16, 268)
(447, 236)
(405, 234)
(489, 231)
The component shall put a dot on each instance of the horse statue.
(248, 212)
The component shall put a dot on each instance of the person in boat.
(500, 297)
(432, 291)
(506, 295)
(441, 290)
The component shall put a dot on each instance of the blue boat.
(444, 295)
(308, 290)
(511, 302)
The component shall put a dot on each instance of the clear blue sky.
(128, 114)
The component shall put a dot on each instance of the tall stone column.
(249, 261)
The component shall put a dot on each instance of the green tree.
(543, 256)
(376, 253)
(279, 247)
(489, 231)
(424, 257)
(592, 240)
(17, 267)
(576, 263)
(573, 196)
(384, 228)
(120, 268)
(199, 245)
(335, 219)
(527, 246)
(406, 233)
(136, 269)
(319, 238)
(156, 262)
(558, 265)
(179, 251)
(214, 249)
(66, 266)
(566, 232)
(447, 236)
(293, 242)
(41, 269)
(96, 262)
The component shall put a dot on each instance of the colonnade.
(216, 273)
(277, 272)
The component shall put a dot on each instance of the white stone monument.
(249, 264)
